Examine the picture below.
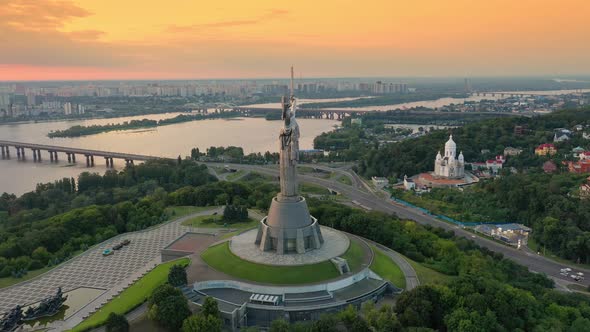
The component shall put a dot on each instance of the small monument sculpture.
(289, 228)
(11, 320)
(48, 307)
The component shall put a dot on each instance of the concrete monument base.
(289, 228)
(243, 246)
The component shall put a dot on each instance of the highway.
(358, 192)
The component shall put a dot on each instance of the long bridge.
(53, 150)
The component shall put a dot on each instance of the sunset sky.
(145, 39)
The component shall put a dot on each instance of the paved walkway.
(92, 270)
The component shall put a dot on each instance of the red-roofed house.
(546, 149)
(495, 164)
(582, 166)
(584, 155)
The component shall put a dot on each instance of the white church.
(449, 166)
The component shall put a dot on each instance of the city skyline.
(134, 40)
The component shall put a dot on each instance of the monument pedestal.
(289, 228)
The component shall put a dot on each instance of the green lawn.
(216, 221)
(387, 269)
(133, 296)
(427, 275)
(222, 259)
(305, 169)
(354, 255)
(345, 179)
(579, 288)
(176, 212)
(313, 189)
(235, 175)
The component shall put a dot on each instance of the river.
(253, 134)
(441, 102)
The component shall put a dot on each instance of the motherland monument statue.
(289, 228)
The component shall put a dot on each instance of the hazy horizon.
(137, 40)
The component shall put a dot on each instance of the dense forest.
(57, 220)
(549, 203)
(413, 156)
(482, 291)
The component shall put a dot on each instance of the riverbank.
(77, 131)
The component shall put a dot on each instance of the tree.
(162, 292)
(326, 323)
(171, 312)
(279, 325)
(41, 254)
(423, 306)
(202, 323)
(348, 316)
(117, 323)
(210, 307)
(580, 325)
(359, 325)
(177, 276)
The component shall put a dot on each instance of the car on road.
(107, 252)
(576, 277)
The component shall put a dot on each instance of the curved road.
(535, 263)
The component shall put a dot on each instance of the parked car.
(118, 246)
(107, 252)
(126, 242)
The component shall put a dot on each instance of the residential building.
(409, 184)
(549, 167)
(577, 150)
(546, 149)
(380, 182)
(585, 189)
(513, 234)
(510, 151)
(68, 108)
(561, 134)
(494, 165)
(579, 167)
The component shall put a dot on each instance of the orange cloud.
(271, 15)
